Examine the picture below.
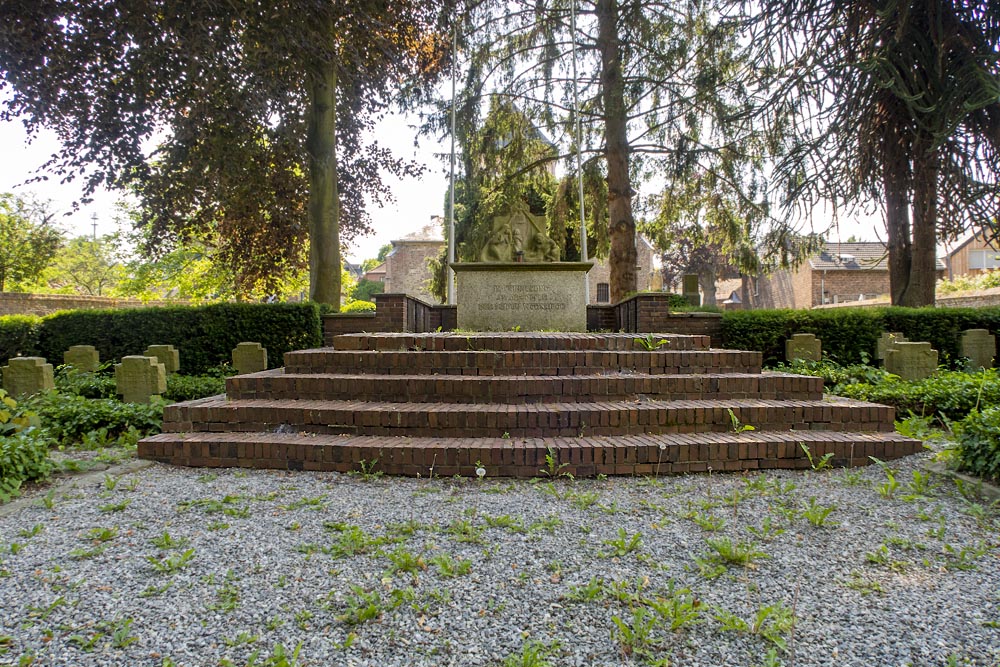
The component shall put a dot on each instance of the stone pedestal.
(140, 378)
(803, 346)
(911, 361)
(27, 375)
(980, 346)
(166, 355)
(535, 296)
(84, 358)
(249, 358)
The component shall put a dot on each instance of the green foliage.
(205, 335)
(366, 289)
(979, 443)
(28, 240)
(190, 387)
(24, 452)
(19, 336)
(952, 394)
(359, 307)
(69, 419)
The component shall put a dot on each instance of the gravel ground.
(171, 566)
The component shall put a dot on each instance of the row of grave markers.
(899, 356)
(137, 378)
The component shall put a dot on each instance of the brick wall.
(16, 303)
(841, 286)
(602, 274)
(406, 270)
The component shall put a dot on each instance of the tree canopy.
(28, 240)
(239, 124)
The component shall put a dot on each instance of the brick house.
(406, 270)
(974, 255)
(647, 276)
(840, 273)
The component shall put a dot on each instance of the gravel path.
(170, 566)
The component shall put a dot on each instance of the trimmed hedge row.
(849, 334)
(205, 335)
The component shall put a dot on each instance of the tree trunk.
(923, 274)
(622, 223)
(897, 217)
(707, 280)
(324, 198)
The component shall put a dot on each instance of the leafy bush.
(953, 394)
(835, 374)
(89, 385)
(190, 387)
(67, 419)
(24, 450)
(19, 336)
(359, 307)
(204, 335)
(979, 443)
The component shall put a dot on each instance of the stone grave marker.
(140, 378)
(803, 346)
(166, 355)
(27, 375)
(249, 358)
(980, 346)
(911, 361)
(82, 358)
(887, 340)
(689, 289)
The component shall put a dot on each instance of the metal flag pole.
(579, 159)
(451, 177)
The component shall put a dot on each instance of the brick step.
(565, 362)
(612, 386)
(535, 420)
(500, 457)
(517, 341)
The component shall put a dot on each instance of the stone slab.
(23, 376)
(887, 340)
(803, 346)
(980, 347)
(911, 361)
(140, 378)
(536, 296)
(84, 358)
(167, 355)
(249, 358)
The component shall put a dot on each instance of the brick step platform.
(565, 362)
(611, 386)
(525, 457)
(541, 419)
(518, 342)
(600, 403)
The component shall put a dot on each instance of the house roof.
(980, 236)
(862, 255)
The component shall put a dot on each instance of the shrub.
(24, 450)
(835, 374)
(204, 335)
(979, 443)
(67, 419)
(359, 307)
(19, 336)
(190, 387)
(953, 394)
(89, 385)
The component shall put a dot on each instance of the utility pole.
(93, 218)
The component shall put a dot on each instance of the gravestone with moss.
(27, 375)
(166, 355)
(138, 379)
(886, 341)
(980, 346)
(689, 289)
(249, 358)
(804, 346)
(911, 361)
(82, 358)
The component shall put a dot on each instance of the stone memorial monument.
(249, 358)
(689, 289)
(886, 341)
(27, 375)
(138, 379)
(911, 361)
(803, 346)
(84, 358)
(980, 347)
(166, 355)
(519, 282)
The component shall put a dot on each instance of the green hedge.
(849, 334)
(204, 335)
(979, 443)
(19, 336)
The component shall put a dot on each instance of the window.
(603, 293)
(984, 259)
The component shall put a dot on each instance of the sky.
(416, 199)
